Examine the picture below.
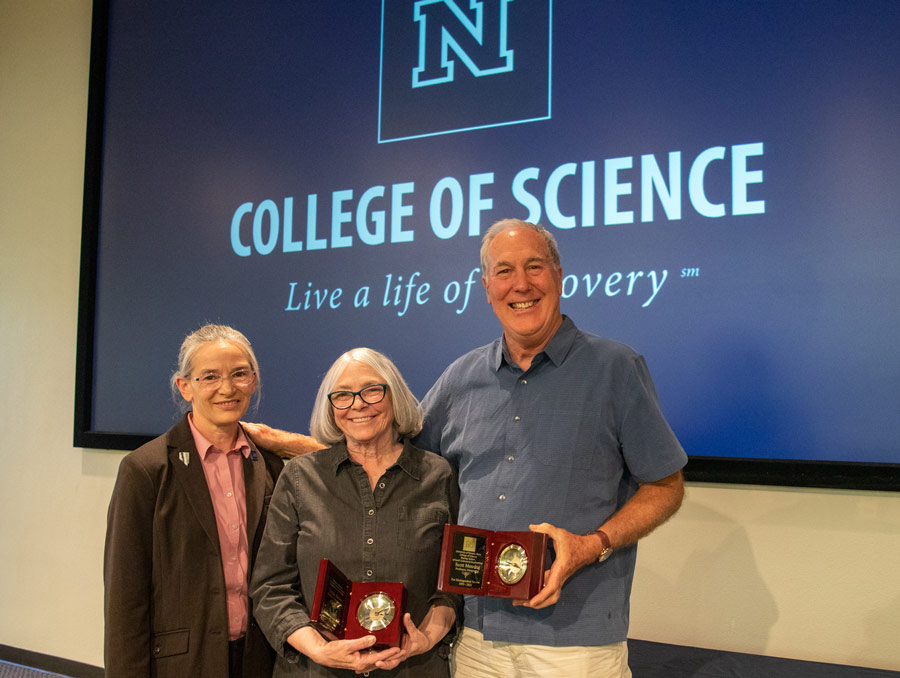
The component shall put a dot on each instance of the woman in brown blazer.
(185, 521)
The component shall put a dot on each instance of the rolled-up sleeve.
(278, 604)
(454, 600)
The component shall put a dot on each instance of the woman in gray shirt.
(375, 506)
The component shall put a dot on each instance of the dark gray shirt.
(323, 507)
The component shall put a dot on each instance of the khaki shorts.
(475, 657)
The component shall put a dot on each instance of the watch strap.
(607, 546)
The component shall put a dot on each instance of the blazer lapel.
(255, 476)
(189, 474)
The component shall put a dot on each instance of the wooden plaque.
(498, 564)
(343, 609)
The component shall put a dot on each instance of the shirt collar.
(408, 461)
(556, 349)
(204, 446)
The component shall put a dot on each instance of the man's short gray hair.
(504, 225)
(407, 415)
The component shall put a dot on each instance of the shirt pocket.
(421, 529)
(567, 438)
(169, 643)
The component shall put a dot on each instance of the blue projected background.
(722, 179)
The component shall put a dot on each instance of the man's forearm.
(283, 443)
(650, 507)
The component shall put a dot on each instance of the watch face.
(375, 611)
(512, 563)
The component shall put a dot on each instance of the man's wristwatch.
(607, 549)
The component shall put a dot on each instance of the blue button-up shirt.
(565, 442)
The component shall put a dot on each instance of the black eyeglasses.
(343, 400)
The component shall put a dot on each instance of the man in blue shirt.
(557, 431)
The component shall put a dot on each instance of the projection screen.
(721, 178)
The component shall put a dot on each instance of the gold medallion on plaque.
(375, 611)
(512, 564)
(330, 615)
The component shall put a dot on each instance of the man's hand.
(652, 504)
(573, 551)
(282, 443)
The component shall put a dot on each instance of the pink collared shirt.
(224, 473)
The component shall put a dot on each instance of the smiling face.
(363, 423)
(523, 287)
(217, 409)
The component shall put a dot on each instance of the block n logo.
(449, 35)
(457, 65)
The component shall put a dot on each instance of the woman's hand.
(437, 622)
(338, 654)
(356, 655)
(414, 642)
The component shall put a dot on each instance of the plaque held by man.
(496, 564)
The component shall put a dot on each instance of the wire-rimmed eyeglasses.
(242, 379)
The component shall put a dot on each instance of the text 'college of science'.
(384, 214)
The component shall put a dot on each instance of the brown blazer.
(164, 601)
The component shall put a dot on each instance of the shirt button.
(368, 573)
(228, 494)
(517, 418)
(502, 497)
(511, 458)
(371, 512)
(370, 540)
(233, 526)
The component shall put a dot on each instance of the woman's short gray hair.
(504, 225)
(407, 415)
(194, 342)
